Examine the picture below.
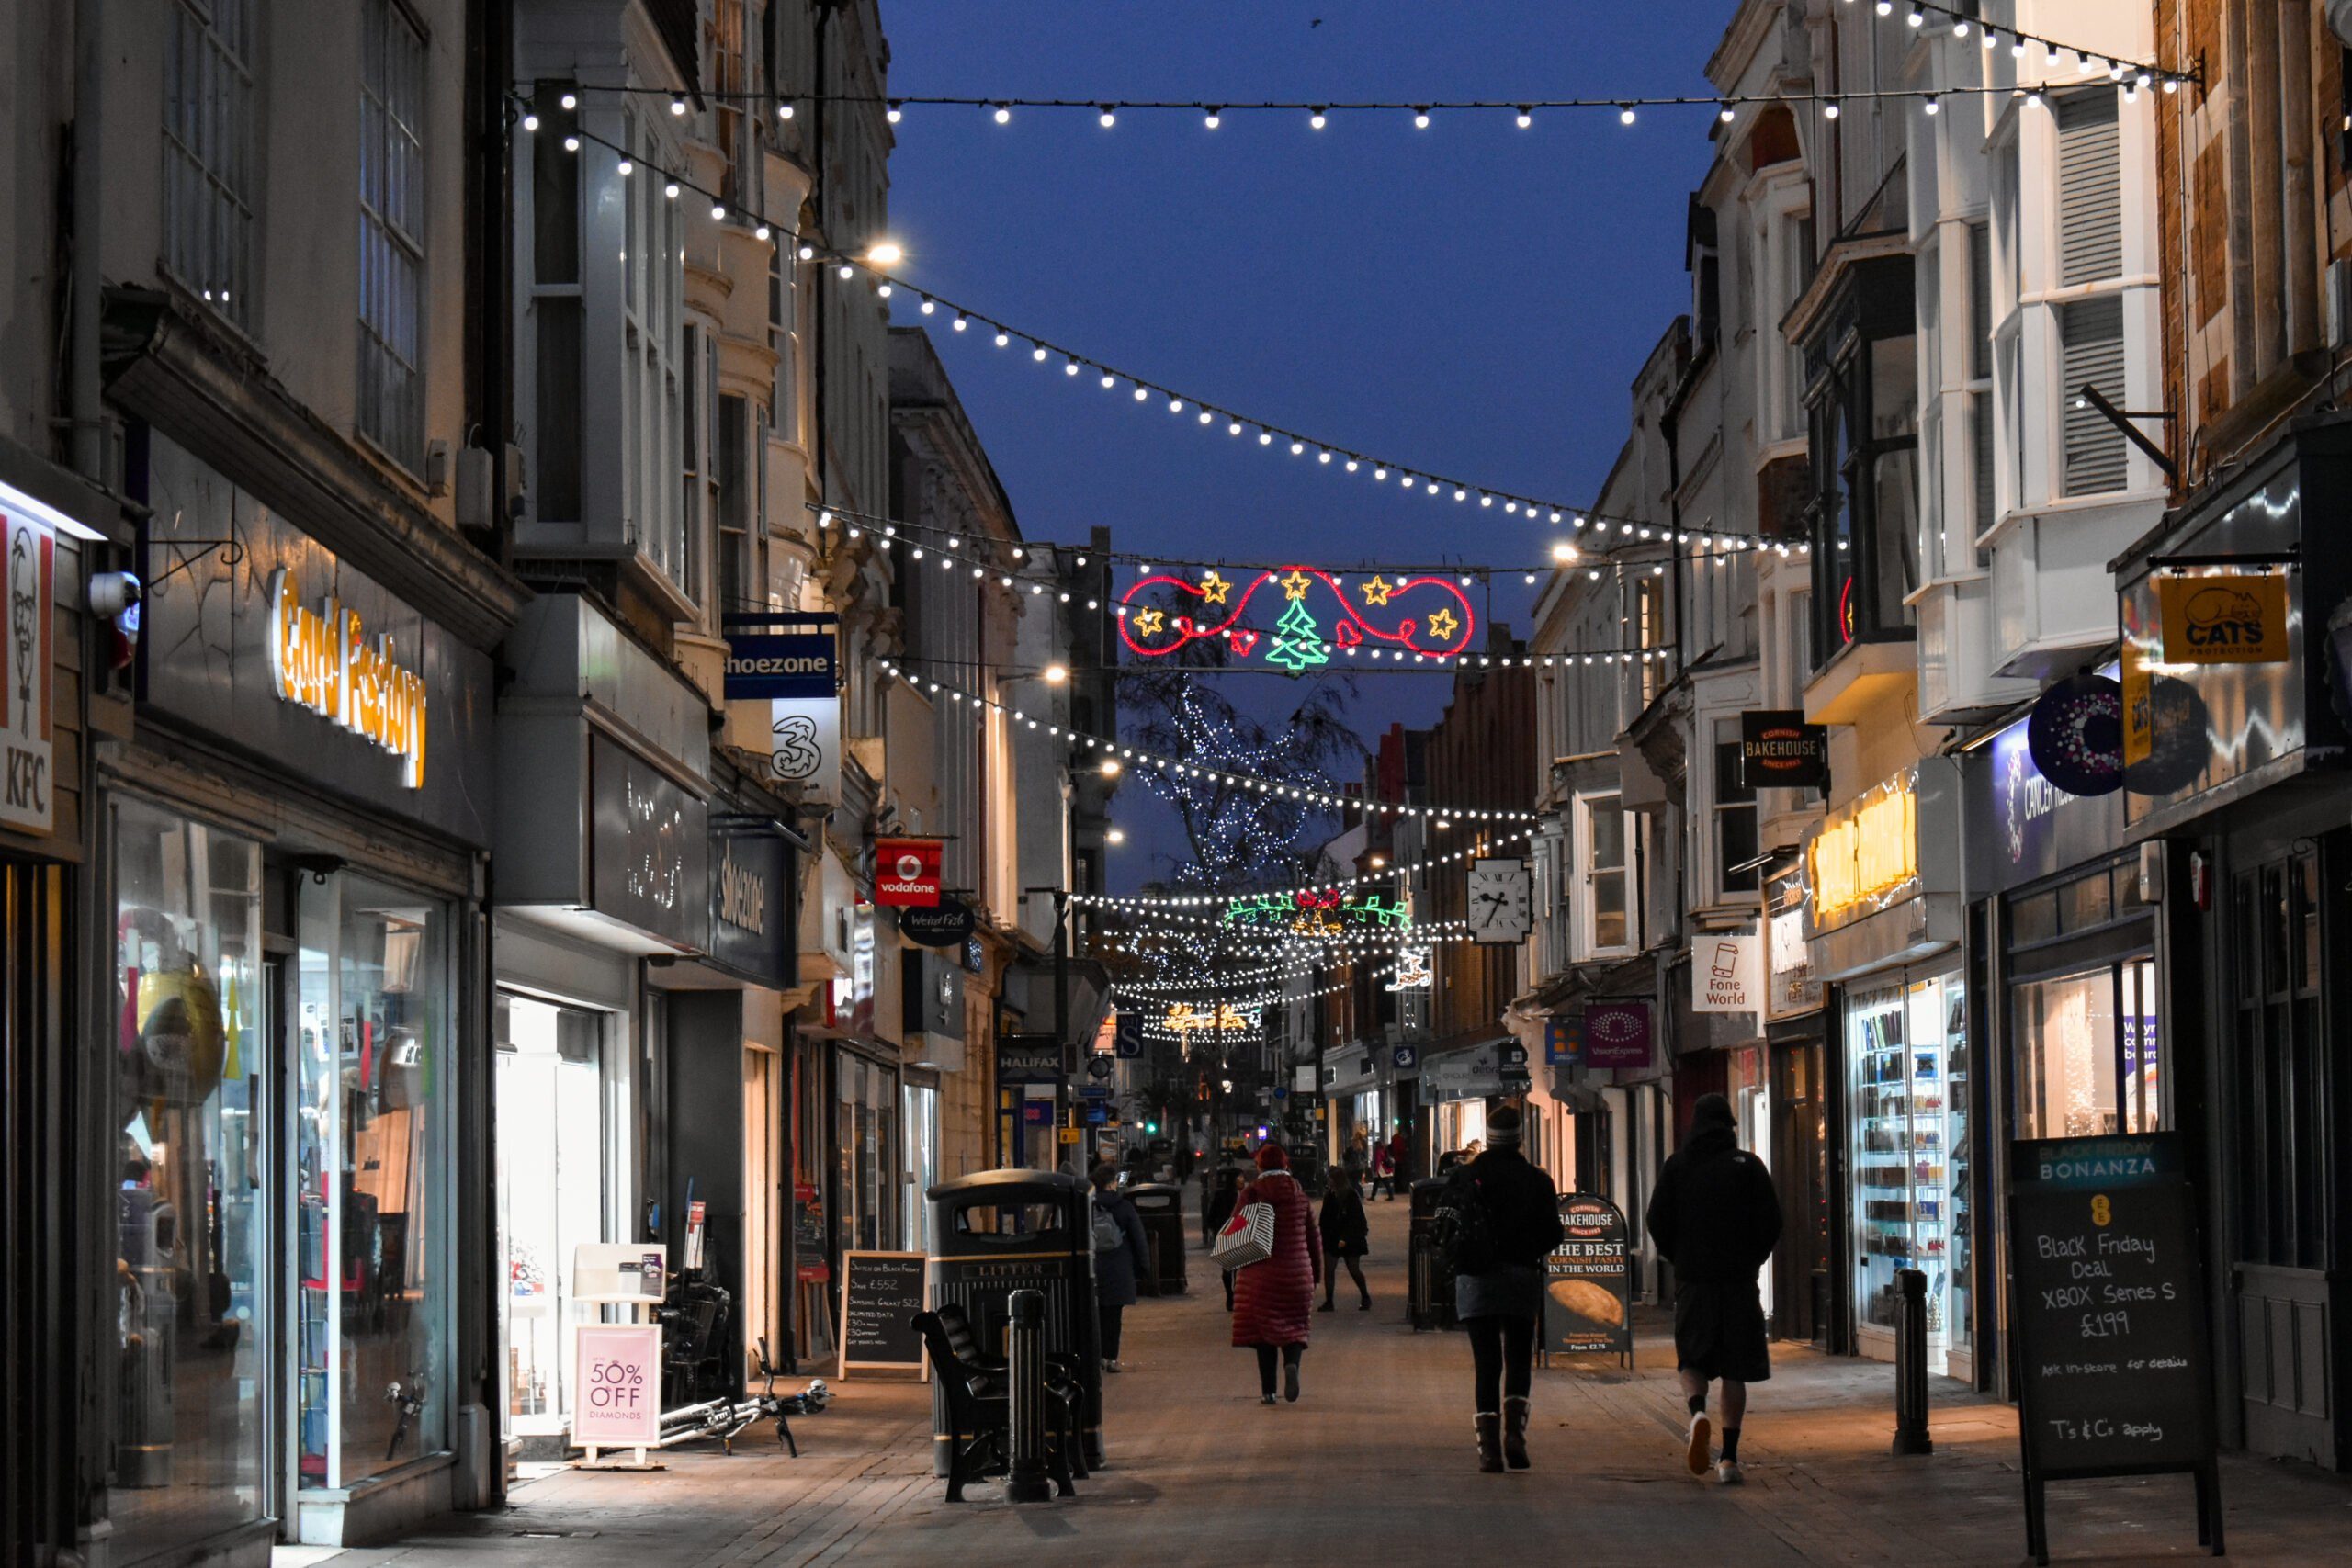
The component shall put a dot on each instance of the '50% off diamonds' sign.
(616, 1402)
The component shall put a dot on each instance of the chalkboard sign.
(2113, 1375)
(881, 1292)
(1587, 1283)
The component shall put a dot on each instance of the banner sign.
(1617, 1034)
(1726, 973)
(906, 871)
(618, 1376)
(1777, 749)
(1028, 1058)
(2232, 618)
(28, 669)
(1587, 1283)
(781, 656)
(940, 925)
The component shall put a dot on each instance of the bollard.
(1911, 1363)
(1025, 1410)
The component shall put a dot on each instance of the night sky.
(1473, 298)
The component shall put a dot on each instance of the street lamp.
(1110, 767)
(885, 253)
(1057, 673)
(1115, 836)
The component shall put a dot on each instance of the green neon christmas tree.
(1299, 642)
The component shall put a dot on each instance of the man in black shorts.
(1716, 1217)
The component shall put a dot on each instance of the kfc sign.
(906, 871)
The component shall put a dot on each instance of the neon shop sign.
(1314, 612)
(321, 659)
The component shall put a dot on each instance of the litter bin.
(1433, 1281)
(996, 1232)
(1161, 1207)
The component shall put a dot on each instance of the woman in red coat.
(1273, 1302)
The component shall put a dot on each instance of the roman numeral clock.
(1503, 901)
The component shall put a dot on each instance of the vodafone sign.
(906, 871)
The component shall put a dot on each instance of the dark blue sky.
(1473, 298)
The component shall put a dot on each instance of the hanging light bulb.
(671, 190)
(1960, 27)
(1916, 17)
(1214, 119)
(530, 120)
(572, 144)
(1108, 118)
(893, 113)
(1003, 114)
(1316, 118)
(1624, 114)
(1829, 110)
(761, 232)
(1724, 113)
(1420, 117)
(1930, 105)
(1002, 339)
(719, 211)
(784, 111)
(959, 323)
(626, 168)
(1526, 116)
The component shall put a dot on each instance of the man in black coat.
(1716, 1217)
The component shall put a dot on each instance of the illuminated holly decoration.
(1427, 616)
(1324, 912)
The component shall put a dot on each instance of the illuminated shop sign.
(1867, 854)
(321, 659)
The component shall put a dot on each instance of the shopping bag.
(1248, 1237)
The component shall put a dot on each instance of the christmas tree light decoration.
(1298, 643)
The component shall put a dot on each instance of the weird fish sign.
(2237, 618)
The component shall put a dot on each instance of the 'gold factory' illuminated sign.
(1869, 851)
(322, 660)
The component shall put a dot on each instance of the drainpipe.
(87, 423)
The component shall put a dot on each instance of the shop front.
(2234, 692)
(52, 538)
(296, 1060)
(1884, 925)
(1792, 1119)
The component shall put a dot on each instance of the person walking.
(1400, 1156)
(1273, 1301)
(1121, 1249)
(1498, 1282)
(1347, 1236)
(1384, 1170)
(1716, 1218)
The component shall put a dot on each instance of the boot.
(1515, 1432)
(1490, 1444)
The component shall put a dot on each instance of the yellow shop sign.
(1867, 851)
(2231, 618)
(322, 660)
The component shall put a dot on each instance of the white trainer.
(1696, 1453)
(1728, 1473)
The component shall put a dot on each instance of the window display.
(371, 1152)
(191, 1118)
(2088, 1054)
(1908, 1046)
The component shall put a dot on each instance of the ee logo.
(2102, 1211)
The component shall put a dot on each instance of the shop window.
(371, 1152)
(192, 1109)
(391, 235)
(1907, 1044)
(210, 181)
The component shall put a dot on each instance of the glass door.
(552, 1186)
(1901, 1040)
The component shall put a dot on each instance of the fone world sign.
(321, 659)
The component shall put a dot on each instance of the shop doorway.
(551, 1198)
(762, 1179)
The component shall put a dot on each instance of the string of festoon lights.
(1271, 930)
(1211, 991)
(1116, 755)
(951, 547)
(1920, 16)
(1135, 901)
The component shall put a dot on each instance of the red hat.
(1271, 1158)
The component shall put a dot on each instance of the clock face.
(1502, 900)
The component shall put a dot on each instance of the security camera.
(112, 592)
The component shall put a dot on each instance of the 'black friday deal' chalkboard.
(2110, 1313)
(881, 1294)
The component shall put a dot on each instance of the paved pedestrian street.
(1376, 1466)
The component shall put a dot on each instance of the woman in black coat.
(1217, 1204)
(1347, 1236)
(1116, 1267)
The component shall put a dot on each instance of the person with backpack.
(1716, 1218)
(1496, 1219)
(1273, 1302)
(1120, 1250)
(1347, 1236)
